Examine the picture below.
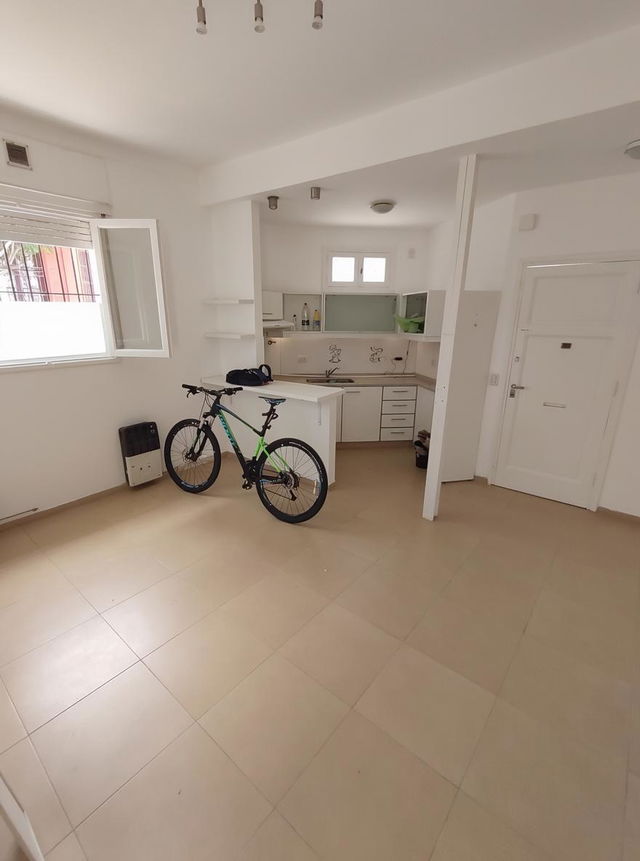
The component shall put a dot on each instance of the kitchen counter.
(365, 380)
(295, 388)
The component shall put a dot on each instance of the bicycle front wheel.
(192, 455)
(291, 480)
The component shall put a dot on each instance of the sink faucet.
(328, 373)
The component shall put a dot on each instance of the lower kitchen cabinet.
(424, 409)
(361, 407)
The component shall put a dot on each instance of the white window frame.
(150, 224)
(359, 263)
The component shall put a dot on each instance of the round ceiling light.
(382, 206)
(633, 149)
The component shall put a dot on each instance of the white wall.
(585, 218)
(293, 255)
(59, 429)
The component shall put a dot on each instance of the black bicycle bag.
(250, 376)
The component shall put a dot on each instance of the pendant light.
(258, 17)
(201, 19)
(318, 14)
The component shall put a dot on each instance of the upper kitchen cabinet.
(360, 312)
(428, 309)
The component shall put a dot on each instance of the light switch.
(494, 379)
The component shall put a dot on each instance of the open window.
(74, 287)
(358, 269)
(128, 266)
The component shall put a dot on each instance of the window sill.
(58, 363)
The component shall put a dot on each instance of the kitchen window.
(78, 289)
(358, 269)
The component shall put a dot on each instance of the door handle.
(513, 388)
(551, 404)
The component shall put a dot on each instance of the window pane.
(343, 269)
(374, 270)
(49, 303)
(131, 282)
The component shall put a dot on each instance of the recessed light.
(382, 206)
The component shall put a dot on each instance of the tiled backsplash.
(315, 354)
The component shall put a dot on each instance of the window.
(358, 269)
(78, 288)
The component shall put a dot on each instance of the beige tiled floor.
(183, 677)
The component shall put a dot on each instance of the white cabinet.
(272, 305)
(428, 305)
(361, 407)
(424, 409)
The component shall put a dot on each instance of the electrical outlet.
(494, 379)
(302, 360)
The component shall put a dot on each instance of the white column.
(465, 199)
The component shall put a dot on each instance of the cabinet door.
(272, 305)
(424, 409)
(361, 414)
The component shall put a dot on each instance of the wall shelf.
(226, 300)
(421, 339)
(229, 336)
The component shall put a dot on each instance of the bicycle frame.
(249, 474)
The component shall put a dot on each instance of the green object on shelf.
(413, 325)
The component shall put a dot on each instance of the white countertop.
(282, 389)
(370, 380)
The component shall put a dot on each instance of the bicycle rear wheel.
(291, 480)
(192, 455)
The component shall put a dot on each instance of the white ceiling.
(424, 187)
(136, 71)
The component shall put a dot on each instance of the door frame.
(631, 334)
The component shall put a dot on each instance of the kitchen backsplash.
(315, 354)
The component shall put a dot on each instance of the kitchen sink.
(336, 381)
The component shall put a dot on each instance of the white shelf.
(422, 339)
(224, 300)
(229, 336)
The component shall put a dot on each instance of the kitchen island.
(309, 414)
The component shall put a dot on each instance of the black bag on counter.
(250, 376)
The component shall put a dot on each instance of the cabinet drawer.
(403, 421)
(399, 407)
(391, 393)
(396, 433)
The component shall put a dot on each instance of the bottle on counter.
(316, 321)
(305, 317)
(295, 322)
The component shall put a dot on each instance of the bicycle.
(288, 474)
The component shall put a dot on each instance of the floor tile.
(28, 576)
(391, 598)
(273, 723)
(11, 727)
(530, 559)
(275, 608)
(467, 641)
(327, 570)
(366, 798)
(276, 840)
(107, 582)
(613, 589)
(632, 820)
(33, 621)
(54, 676)
(190, 802)
(591, 707)
(149, 619)
(473, 834)
(509, 597)
(68, 850)
(562, 796)
(28, 781)
(340, 651)
(90, 750)
(206, 661)
(434, 712)
(15, 543)
(604, 640)
(364, 539)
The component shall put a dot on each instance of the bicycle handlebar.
(216, 393)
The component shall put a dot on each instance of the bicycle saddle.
(273, 401)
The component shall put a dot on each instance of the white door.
(575, 338)
(361, 414)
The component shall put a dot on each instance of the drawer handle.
(397, 420)
(351, 392)
(397, 432)
(399, 391)
(551, 404)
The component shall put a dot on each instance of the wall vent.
(17, 154)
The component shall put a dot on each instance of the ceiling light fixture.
(273, 201)
(201, 18)
(318, 14)
(633, 149)
(315, 192)
(258, 17)
(382, 206)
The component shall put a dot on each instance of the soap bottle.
(316, 321)
(305, 317)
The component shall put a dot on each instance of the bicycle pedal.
(247, 485)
